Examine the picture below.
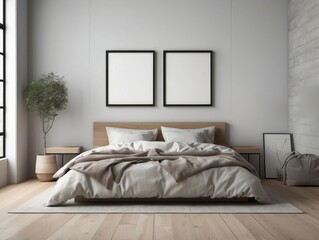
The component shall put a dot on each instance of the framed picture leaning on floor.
(276, 148)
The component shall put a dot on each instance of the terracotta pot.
(45, 167)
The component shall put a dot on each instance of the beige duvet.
(149, 179)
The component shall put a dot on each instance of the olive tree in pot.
(45, 97)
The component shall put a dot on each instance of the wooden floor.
(160, 226)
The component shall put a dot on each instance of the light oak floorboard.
(81, 226)
(160, 226)
(219, 228)
(163, 229)
(17, 224)
(202, 228)
(145, 227)
(301, 197)
(21, 196)
(126, 227)
(238, 229)
(43, 227)
(182, 227)
(282, 227)
(310, 225)
(108, 227)
(254, 227)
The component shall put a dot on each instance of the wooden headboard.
(100, 136)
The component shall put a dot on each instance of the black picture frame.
(268, 158)
(176, 70)
(116, 78)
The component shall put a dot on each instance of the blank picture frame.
(276, 148)
(130, 78)
(188, 78)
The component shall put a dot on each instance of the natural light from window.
(2, 80)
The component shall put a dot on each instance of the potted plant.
(45, 97)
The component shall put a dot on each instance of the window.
(2, 78)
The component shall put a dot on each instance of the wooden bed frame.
(100, 139)
(100, 136)
(80, 199)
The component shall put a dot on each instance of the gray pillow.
(124, 135)
(194, 135)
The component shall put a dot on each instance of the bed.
(155, 170)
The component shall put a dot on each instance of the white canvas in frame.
(130, 78)
(276, 148)
(187, 78)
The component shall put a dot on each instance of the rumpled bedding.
(158, 170)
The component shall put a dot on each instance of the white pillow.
(124, 135)
(194, 135)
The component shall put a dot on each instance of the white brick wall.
(303, 84)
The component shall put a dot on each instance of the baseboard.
(3, 172)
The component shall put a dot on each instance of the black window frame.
(3, 107)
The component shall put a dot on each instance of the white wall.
(22, 79)
(304, 74)
(249, 38)
(16, 80)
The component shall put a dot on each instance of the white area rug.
(36, 205)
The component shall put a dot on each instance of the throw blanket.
(108, 166)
